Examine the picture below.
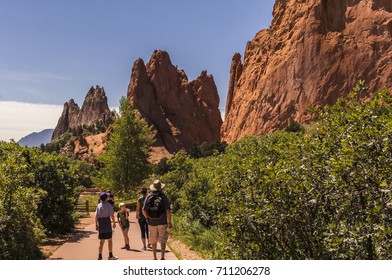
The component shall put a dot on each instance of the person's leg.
(101, 243)
(126, 238)
(163, 250)
(143, 233)
(154, 240)
(147, 234)
(110, 245)
(163, 237)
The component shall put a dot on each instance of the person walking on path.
(123, 221)
(141, 219)
(111, 198)
(156, 209)
(103, 213)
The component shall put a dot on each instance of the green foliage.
(195, 235)
(206, 150)
(59, 180)
(38, 192)
(161, 168)
(20, 229)
(294, 126)
(323, 194)
(126, 160)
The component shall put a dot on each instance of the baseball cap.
(103, 196)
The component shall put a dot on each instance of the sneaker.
(144, 248)
(149, 246)
(100, 259)
(125, 247)
(113, 258)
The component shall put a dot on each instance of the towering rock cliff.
(182, 113)
(95, 110)
(313, 53)
(68, 119)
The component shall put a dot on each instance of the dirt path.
(84, 245)
(183, 251)
(53, 243)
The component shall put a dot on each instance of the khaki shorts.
(158, 233)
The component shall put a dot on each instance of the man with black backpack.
(156, 209)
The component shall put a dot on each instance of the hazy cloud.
(28, 77)
(19, 119)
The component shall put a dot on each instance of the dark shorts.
(106, 235)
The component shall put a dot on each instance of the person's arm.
(96, 219)
(168, 217)
(114, 221)
(168, 211)
(145, 214)
(96, 222)
(118, 220)
(137, 209)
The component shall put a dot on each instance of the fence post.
(87, 207)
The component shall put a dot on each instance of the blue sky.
(52, 50)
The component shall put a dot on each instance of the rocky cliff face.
(181, 112)
(313, 53)
(68, 119)
(90, 147)
(95, 110)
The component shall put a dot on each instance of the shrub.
(323, 194)
(20, 229)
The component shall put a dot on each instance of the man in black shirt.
(156, 209)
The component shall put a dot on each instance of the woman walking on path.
(141, 219)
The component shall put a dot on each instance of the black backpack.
(154, 205)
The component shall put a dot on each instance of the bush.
(323, 194)
(37, 193)
(59, 180)
(20, 229)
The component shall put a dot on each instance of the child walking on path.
(123, 220)
(103, 214)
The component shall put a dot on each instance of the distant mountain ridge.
(35, 139)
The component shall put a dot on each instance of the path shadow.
(159, 250)
(79, 235)
(53, 242)
(134, 250)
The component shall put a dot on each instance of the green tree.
(60, 182)
(20, 229)
(125, 163)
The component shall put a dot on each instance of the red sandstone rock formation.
(313, 53)
(89, 147)
(95, 110)
(182, 113)
(68, 118)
